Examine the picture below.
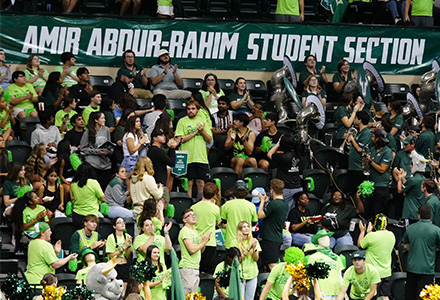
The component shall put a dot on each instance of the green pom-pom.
(293, 255)
(78, 293)
(143, 271)
(171, 113)
(318, 270)
(15, 288)
(75, 161)
(171, 210)
(366, 188)
(23, 190)
(223, 277)
(266, 144)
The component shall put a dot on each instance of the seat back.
(28, 126)
(174, 233)
(220, 256)
(178, 251)
(177, 105)
(398, 283)
(321, 180)
(101, 83)
(327, 156)
(257, 88)
(105, 227)
(181, 201)
(62, 229)
(129, 226)
(256, 176)
(340, 176)
(227, 85)
(213, 157)
(207, 285)
(192, 84)
(315, 204)
(346, 250)
(227, 176)
(20, 150)
(66, 279)
(398, 90)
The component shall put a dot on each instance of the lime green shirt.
(68, 81)
(41, 256)
(379, 246)
(360, 283)
(156, 223)
(278, 277)
(194, 146)
(208, 214)
(159, 242)
(330, 286)
(18, 92)
(249, 267)
(189, 261)
(159, 291)
(82, 274)
(3, 115)
(40, 82)
(86, 114)
(87, 198)
(30, 214)
(59, 116)
(113, 245)
(422, 8)
(287, 7)
(235, 211)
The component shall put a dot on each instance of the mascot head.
(102, 280)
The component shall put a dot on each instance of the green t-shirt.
(234, 211)
(287, 7)
(363, 139)
(392, 142)
(113, 245)
(30, 214)
(208, 214)
(422, 8)
(194, 146)
(214, 105)
(322, 93)
(249, 267)
(414, 197)
(87, 198)
(220, 267)
(86, 114)
(10, 188)
(159, 242)
(398, 123)
(423, 238)
(379, 246)
(40, 82)
(304, 74)
(341, 112)
(3, 115)
(426, 143)
(402, 161)
(360, 283)
(68, 81)
(82, 275)
(59, 118)
(189, 261)
(156, 223)
(273, 224)
(434, 203)
(41, 256)
(384, 156)
(278, 277)
(330, 286)
(159, 291)
(244, 106)
(18, 92)
(337, 78)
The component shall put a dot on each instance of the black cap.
(157, 132)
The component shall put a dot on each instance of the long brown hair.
(35, 163)
(143, 165)
(29, 63)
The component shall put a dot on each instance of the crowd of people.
(100, 155)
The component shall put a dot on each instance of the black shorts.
(270, 251)
(207, 262)
(198, 171)
(123, 272)
(384, 288)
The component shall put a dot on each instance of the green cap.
(38, 228)
(85, 252)
(320, 234)
(358, 254)
(127, 73)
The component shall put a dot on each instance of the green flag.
(338, 8)
(235, 281)
(176, 290)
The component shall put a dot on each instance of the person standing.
(379, 245)
(422, 240)
(310, 63)
(208, 217)
(192, 245)
(428, 189)
(194, 137)
(274, 215)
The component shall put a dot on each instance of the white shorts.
(165, 10)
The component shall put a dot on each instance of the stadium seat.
(398, 90)
(207, 285)
(403, 256)
(255, 177)
(178, 250)
(20, 150)
(192, 84)
(62, 229)
(105, 227)
(398, 283)
(248, 9)
(8, 266)
(257, 88)
(192, 7)
(346, 250)
(340, 176)
(227, 85)
(327, 156)
(144, 103)
(227, 177)
(283, 128)
(213, 157)
(321, 179)
(330, 134)
(315, 204)
(181, 201)
(221, 252)
(303, 163)
(101, 83)
(220, 8)
(66, 279)
(129, 226)
(261, 282)
(398, 229)
(174, 232)
(176, 105)
(28, 126)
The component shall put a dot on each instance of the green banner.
(217, 45)
(181, 166)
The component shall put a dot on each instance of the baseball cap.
(240, 185)
(38, 228)
(163, 52)
(381, 134)
(358, 254)
(409, 140)
(256, 196)
(127, 73)
(157, 132)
